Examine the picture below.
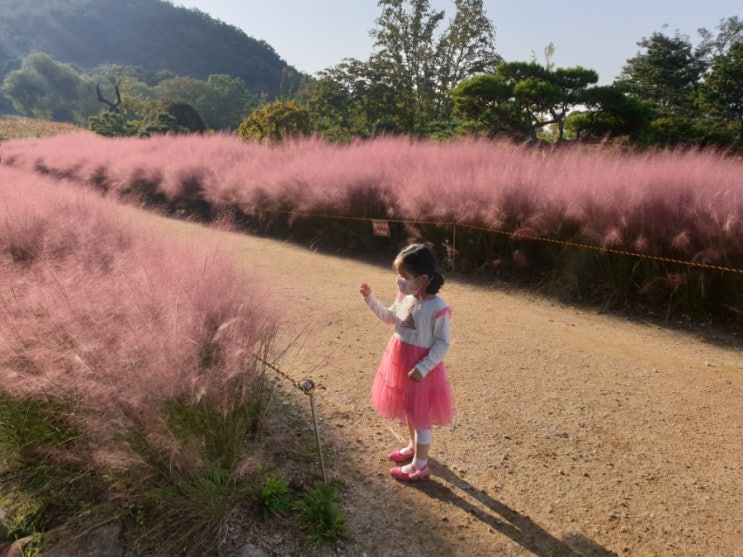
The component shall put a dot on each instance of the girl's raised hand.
(364, 290)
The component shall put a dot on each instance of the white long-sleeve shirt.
(419, 322)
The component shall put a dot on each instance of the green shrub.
(322, 519)
(110, 124)
(273, 497)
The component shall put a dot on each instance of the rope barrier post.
(317, 439)
(308, 388)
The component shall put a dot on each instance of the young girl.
(411, 384)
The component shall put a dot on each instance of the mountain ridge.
(153, 35)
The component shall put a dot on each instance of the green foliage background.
(429, 75)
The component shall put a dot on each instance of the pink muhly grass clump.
(99, 307)
(673, 203)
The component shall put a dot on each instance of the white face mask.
(406, 286)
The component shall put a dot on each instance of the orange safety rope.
(526, 237)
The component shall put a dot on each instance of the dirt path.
(577, 433)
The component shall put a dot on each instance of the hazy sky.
(601, 35)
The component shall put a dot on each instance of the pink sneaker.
(398, 456)
(414, 476)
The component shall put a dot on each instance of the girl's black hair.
(420, 260)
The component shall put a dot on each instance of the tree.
(333, 111)
(609, 113)
(465, 49)
(544, 96)
(186, 89)
(573, 84)
(729, 32)
(275, 122)
(667, 74)
(113, 106)
(137, 97)
(114, 82)
(406, 56)
(419, 65)
(370, 98)
(405, 84)
(228, 102)
(696, 92)
(48, 89)
(525, 100)
(548, 95)
(487, 103)
(722, 93)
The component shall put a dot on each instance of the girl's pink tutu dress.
(420, 340)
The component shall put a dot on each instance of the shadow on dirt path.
(448, 487)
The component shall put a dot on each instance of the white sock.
(417, 464)
(407, 450)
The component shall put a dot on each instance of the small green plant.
(273, 497)
(323, 520)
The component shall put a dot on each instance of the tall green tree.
(416, 62)
(729, 32)
(667, 73)
(359, 89)
(405, 84)
(722, 93)
(694, 91)
(229, 101)
(334, 113)
(406, 56)
(573, 84)
(187, 89)
(466, 48)
(48, 89)
(545, 95)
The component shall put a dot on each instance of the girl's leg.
(409, 449)
(418, 469)
(422, 443)
(407, 452)
(411, 429)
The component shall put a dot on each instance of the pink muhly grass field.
(685, 204)
(95, 305)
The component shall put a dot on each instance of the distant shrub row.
(481, 203)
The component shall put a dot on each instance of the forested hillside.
(117, 66)
(153, 35)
